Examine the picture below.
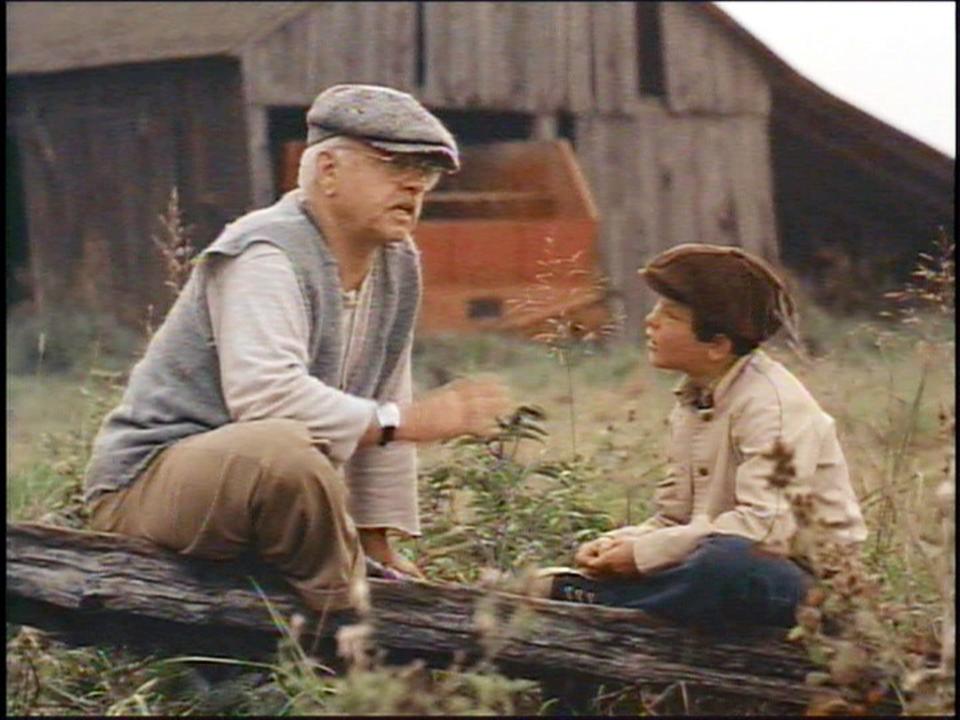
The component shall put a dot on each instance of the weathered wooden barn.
(685, 126)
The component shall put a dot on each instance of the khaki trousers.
(259, 486)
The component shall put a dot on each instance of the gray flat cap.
(386, 118)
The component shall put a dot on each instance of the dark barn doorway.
(18, 245)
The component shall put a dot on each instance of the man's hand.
(468, 406)
(376, 545)
(607, 557)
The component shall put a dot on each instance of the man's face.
(379, 194)
(671, 342)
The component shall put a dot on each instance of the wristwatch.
(388, 416)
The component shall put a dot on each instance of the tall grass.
(529, 498)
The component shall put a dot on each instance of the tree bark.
(96, 588)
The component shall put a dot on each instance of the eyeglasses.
(402, 165)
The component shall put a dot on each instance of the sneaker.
(564, 583)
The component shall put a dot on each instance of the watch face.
(388, 415)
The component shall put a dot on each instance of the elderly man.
(273, 408)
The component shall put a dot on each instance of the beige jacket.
(717, 479)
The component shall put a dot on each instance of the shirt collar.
(705, 398)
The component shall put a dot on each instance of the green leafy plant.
(486, 509)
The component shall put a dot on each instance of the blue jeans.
(725, 581)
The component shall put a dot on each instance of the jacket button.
(703, 471)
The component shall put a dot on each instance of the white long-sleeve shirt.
(261, 328)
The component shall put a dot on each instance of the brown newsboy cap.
(383, 117)
(729, 290)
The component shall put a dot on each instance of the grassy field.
(890, 386)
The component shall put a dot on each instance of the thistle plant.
(561, 291)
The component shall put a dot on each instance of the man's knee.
(280, 445)
(264, 437)
(291, 466)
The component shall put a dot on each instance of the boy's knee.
(718, 555)
(722, 546)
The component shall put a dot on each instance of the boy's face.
(672, 344)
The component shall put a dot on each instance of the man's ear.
(327, 172)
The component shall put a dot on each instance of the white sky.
(895, 60)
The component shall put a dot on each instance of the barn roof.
(785, 79)
(45, 37)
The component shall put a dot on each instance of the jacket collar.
(706, 398)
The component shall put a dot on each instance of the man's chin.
(397, 235)
(396, 239)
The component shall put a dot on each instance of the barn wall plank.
(724, 69)
(619, 156)
(397, 47)
(747, 196)
(614, 55)
(544, 74)
(752, 89)
(645, 238)
(579, 57)
(524, 57)
(715, 219)
(459, 89)
(437, 24)
(707, 70)
(676, 168)
(485, 65)
(686, 58)
(109, 145)
(759, 150)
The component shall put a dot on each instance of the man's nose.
(416, 181)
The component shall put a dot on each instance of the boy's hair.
(729, 291)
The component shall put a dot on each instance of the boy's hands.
(607, 557)
(590, 551)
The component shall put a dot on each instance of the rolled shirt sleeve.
(655, 522)
(383, 479)
(261, 329)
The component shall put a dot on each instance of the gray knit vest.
(175, 391)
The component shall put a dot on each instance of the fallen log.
(97, 588)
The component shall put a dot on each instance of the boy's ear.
(720, 347)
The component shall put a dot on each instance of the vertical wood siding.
(705, 70)
(535, 57)
(660, 180)
(101, 151)
(691, 166)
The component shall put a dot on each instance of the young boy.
(715, 551)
